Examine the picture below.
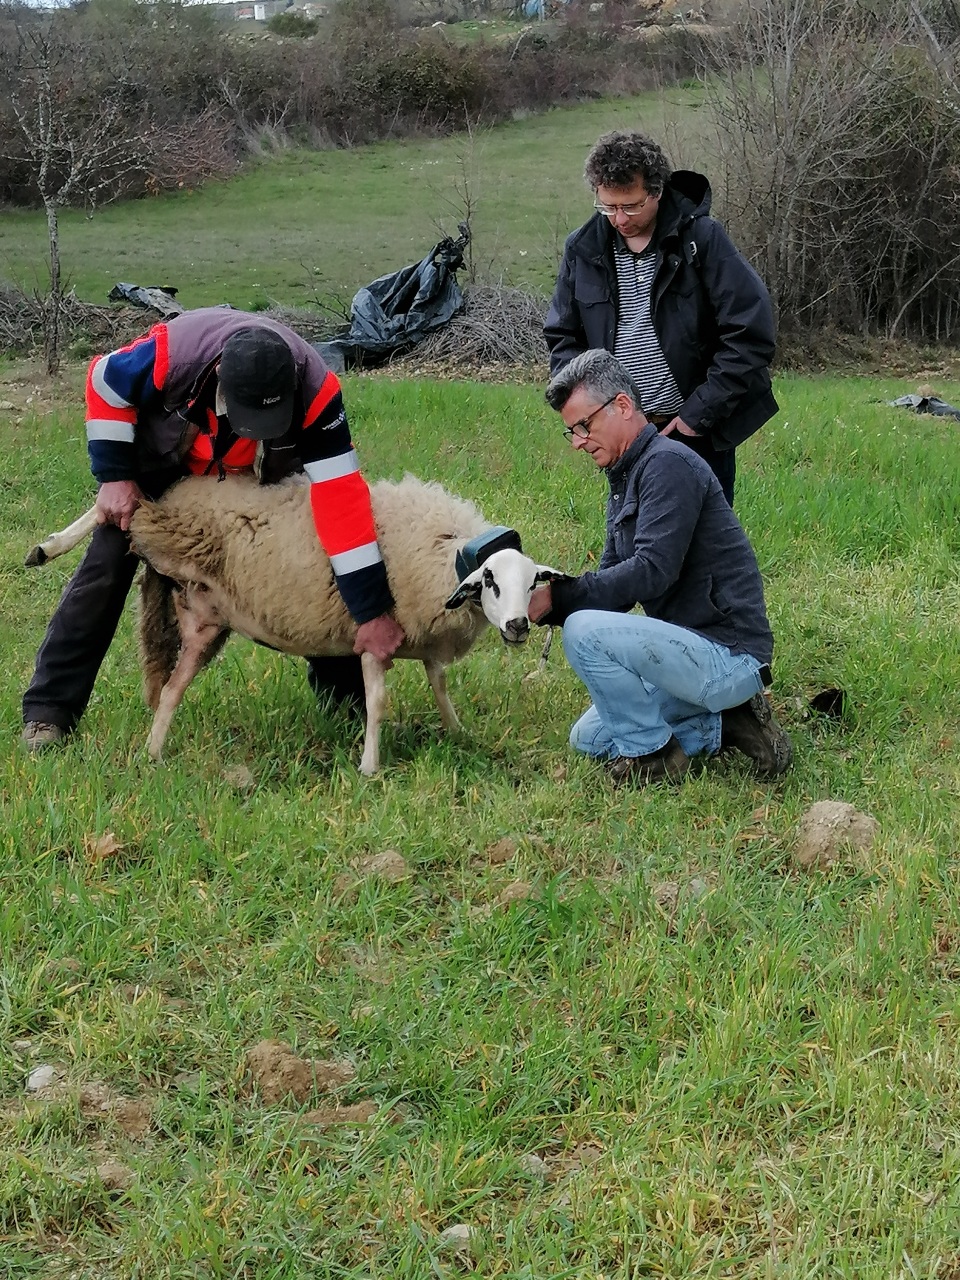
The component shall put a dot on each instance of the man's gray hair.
(618, 159)
(600, 374)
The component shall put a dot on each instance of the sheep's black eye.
(490, 581)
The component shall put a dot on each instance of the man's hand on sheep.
(117, 500)
(382, 637)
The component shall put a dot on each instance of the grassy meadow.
(615, 1034)
(305, 225)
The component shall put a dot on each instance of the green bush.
(289, 23)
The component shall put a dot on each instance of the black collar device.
(473, 553)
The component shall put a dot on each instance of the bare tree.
(74, 144)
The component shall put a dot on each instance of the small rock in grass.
(239, 777)
(187, 1081)
(115, 1176)
(518, 891)
(827, 829)
(533, 1165)
(698, 888)
(666, 894)
(389, 866)
(41, 1078)
(456, 1239)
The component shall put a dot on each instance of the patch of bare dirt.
(828, 830)
(354, 1113)
(278, 1074)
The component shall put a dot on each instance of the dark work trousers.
(341, 679)
(85, 622)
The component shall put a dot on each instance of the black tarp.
(154, 297)
(398, 310)
(926, 404)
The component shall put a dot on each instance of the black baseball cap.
(258, 379)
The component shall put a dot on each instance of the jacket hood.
(686, 196)
(691, 188)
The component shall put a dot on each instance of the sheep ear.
(546, 574)
(469, 589)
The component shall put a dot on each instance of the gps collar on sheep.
(473, 553)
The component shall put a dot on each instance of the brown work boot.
(753, 729)
(669, 764)
(38, 736)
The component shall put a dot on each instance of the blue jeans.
(650, 680)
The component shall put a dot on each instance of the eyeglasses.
(628, 210)
(581, 429)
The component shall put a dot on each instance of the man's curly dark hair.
(619, 158)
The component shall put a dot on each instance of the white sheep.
(245, 557)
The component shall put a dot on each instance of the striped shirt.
(636, 345)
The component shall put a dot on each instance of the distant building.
(253, 10)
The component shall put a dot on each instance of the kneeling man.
(687, 677)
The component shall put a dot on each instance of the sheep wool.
(255, 549)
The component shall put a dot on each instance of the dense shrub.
(839, 133)
(138, 99)
(195, 93)
(297, 25)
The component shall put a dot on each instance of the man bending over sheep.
(687, 677)
(211, 392)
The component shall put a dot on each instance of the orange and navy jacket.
(151, 407)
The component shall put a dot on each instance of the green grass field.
(615, 1034)
(306, 225)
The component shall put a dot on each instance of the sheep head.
(502, 587)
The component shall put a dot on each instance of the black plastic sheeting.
(398, 310)
(154, 297)
(926, 404)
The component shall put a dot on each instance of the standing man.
(211, 392)
(687, 676)
(654, 279)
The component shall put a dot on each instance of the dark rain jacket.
(674, 547)
(710, 309)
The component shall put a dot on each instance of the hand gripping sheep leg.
(241, 557)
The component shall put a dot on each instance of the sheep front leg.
(201, 635)
(376, 693)
(437, 676)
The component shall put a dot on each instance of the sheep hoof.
(35, 556)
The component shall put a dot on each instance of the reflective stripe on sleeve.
(332, 468)
(358, 558)
(105, 392)
(109, 429)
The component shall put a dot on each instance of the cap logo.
(271, 400)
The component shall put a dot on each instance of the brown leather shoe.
(753, 729)
(669, 764)
(38, 736)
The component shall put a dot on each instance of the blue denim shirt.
(675, 547)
